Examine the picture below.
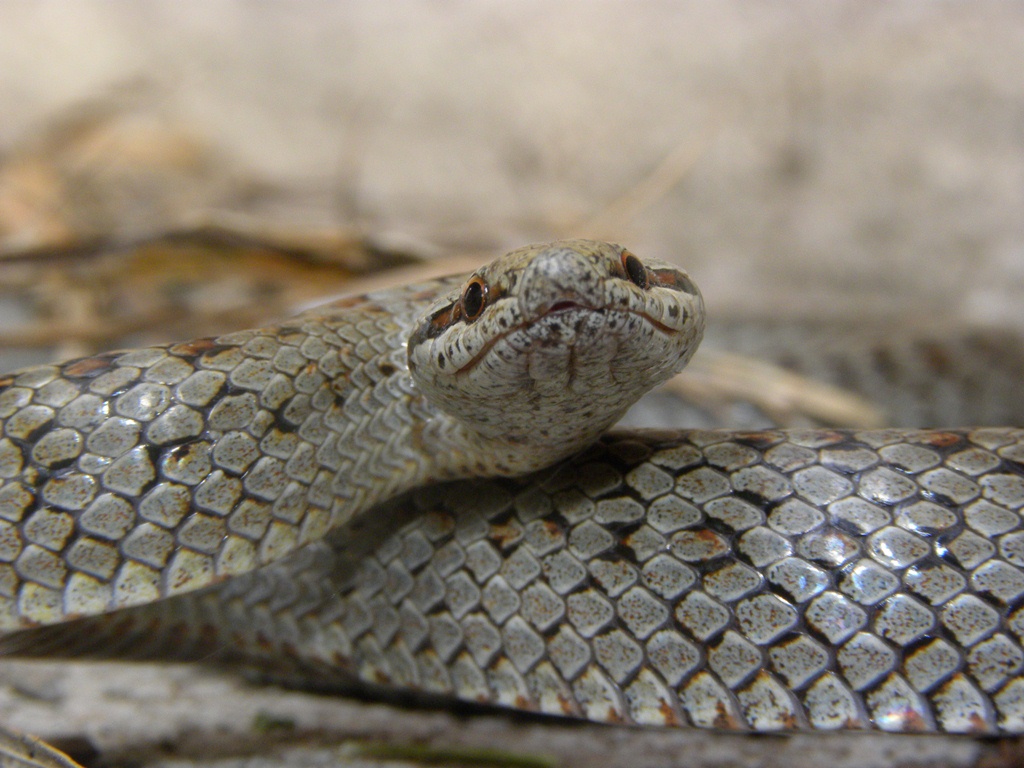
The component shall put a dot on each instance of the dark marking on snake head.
(387, 368)
(435, 325)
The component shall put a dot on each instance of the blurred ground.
(837, 159)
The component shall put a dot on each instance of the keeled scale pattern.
(767, 581)
(265, 435)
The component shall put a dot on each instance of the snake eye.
(635, 270)
(474, 298)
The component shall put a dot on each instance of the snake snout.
(559, 278)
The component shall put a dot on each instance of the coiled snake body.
(270, 485)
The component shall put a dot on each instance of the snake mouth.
(568, 305)
(560, 307)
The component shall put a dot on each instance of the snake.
(418, 489)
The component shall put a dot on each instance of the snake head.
(539, 352)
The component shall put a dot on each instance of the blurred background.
(170, 169)
(842, 158)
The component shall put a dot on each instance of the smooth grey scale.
(747, 580)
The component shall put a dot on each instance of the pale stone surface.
(181, 716)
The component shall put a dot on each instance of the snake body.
(762, 580)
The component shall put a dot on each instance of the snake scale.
(415, 488)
